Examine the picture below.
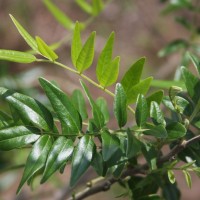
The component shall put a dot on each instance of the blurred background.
(142, 28)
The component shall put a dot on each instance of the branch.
(104, 186)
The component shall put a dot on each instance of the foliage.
(57, 137)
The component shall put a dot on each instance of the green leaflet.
(171, 176)
(27, 37)
(98, 163)
(82, 158)
(133, 145)
(60, 152)
(105, 57)
(172, 47)
(16, 56)
(133, 75)
(5, 120)
(120, 105)
(17, 136)
(192, 84)
(141, 112)
(188, 178)
(86, 54)
(109, 73)
(156, 114)
(79, 103)
(96, 112)
(102, 104)
(60, 16)
(85, 6)
(76, 45)
(110, 145)
(166, 84)
(69, 117)
(29, 109)
(36, 159)
(140, 88)
(158, 131)
(156, 96)
(45, 50)
(97, 7)
(175, 130)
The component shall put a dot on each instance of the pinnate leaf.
(60, 152)
(69, 117)
(17, 136)
(36, 159)
(120, 105)
(82, 158)
(16, 56)
(86, 55)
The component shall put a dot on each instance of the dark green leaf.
(117, 170)
(171, 176)
(96, 112)
(76, 44)
(16, 56)
(120, 105)
(36, 159)
(141, 112)
(82, 158)
(60, 152)
(45, 50)
(27, 37)
(86, 54)
(69, 117)
(171, 191)
(60, 16)
(102, 104)
(98, 163)
(151, 197)
(29, 109)
(17, 137)
(172, 47)
(5, 120)
(140, 88)
(156, 114)
(133, 75)
(110, 145)
(192, 84)
(158, 131)
(156, 96)
(133, 145)
(175, 130)
(79, 103)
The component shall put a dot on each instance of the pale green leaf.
(171, 176)
(187, 178)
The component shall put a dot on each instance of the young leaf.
(76, 45)
(17, 136)
(102, 104)
(105, 57)
(110, 73)
(156, 96)
(120, 105)
(141, 112)
(60, 152)
(192, 84)
(60, 16)
(79, 103)
(156, 114)
(85, 6)
(97, 7)
(29, 109)
(36, 159)
(45, 50)
(133, 145)
(27, 37)
(140, 88)
(96, 112)
(16, 56)
(133, 75)
(69, 117)
(175, 130)
(171, 176)
(82, 158)
(187, 178)
(86, 54)
(110, 145)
